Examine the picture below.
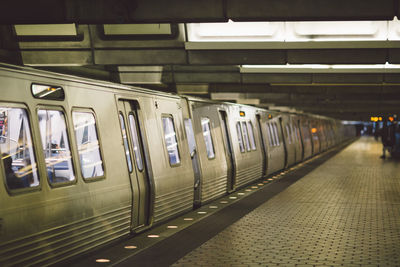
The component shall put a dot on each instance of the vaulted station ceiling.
(336, 58)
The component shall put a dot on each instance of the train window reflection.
(269, 133)
(276, 134)
(55, 142)
(306, 132)
(125, 141)
(246, 136)
(16, 149)
(205, 125)
(48, 92)
(251, 135)
(88, 144)
(170, 140)
(297, 134)
(190, 136)
(288, 133)
(239, 134)
(135, 142)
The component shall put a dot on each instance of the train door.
(228, 150)
(301, 139)
(297, 138)
(133, 144)
(284, 142)
(263, 147)
(195, 161)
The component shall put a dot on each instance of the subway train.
(85, 162)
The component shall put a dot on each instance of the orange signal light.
(314, 130)
(391, 118)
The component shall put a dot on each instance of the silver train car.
(85, 162)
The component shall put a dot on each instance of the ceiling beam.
(310, 10)
(156, 11)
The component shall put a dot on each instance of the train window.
(171, 140)
(205, 125)
(88, 144)
(272, 133)
(239, 135)
(288, 134)
(297, 133)
(125, 141)
(190, 136)
(292, 131)
(306, 132)
(47, 92)
(278, 142)
(16, 149)
(251, 135)
(269, 133)
(135, 142)
(55, 143)
(246, 136)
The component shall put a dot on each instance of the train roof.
(111, 85)
(77, 79)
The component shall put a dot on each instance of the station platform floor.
(341, 208)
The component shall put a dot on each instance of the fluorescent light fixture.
(323, 68)
(236, 31)
(289, 66)
(374, 66)
(300, 31)
(336, 30)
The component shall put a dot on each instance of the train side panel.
(296, 138)
(211, 150)
(170, 157)
(248, 156)
(83, 213)
(273, 137)
(306, 136)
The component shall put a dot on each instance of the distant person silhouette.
(388, 137)
(13, 182)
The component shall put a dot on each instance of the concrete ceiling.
(213, 69)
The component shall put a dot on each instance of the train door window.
(171, 140)
(291, 133)
(135, 141)
(246, 136)
(239, 135)
(292, 130)
(269, 133)
(278, 142)
(56, 149)
(205, 125)
(288, 134)
(125, 141)
(306, 132)
(17, 149)
(88, 144)
(273, 135)
(297, 133)
(251, 135)
(190, 136)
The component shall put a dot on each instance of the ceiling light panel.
(336, 30)
(294, 31)
(236, 31)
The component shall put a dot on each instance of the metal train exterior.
(85, 162)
